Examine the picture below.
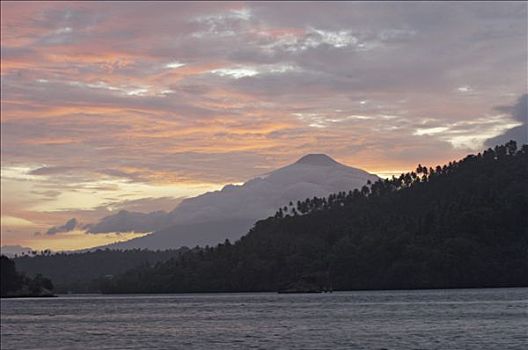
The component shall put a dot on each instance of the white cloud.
(470, 134)
(64, 30)
(477, 134)
(235, 73)
(464, 89)
(360, 117)
(317, 125)
(339, 39)
(221, 24)
(313, 38)
(124, 90)
(174, 65)
(430, 131)
(14, 221)
(137, 92)
(243, 14)
(96, 85)
(250, 71)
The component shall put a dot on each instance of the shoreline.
(66, 295)
(25, 296)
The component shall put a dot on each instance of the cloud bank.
(70, 225)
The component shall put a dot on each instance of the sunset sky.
(136, 105)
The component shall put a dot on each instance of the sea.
(416, 319)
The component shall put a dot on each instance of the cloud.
(49, 194)
(313, 176)
(519, 113)
(139, 215)
(126, 221)
(146, 205)
(51, 170)
(70, 225)
(100, 101)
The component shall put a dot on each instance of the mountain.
(79, 272)
(229, 213)
(16, 285)
(460, 225)
(12, 250)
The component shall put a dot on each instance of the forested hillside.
(15, 284)
(81, 272)
(464, 224)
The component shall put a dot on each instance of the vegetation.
(14, 284)
(82, 272)
(464, 224)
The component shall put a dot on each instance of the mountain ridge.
(461, 225)
(316, 159)
(242, 205)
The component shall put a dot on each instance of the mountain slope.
(229, 213)
(80, 272)
(460, 225)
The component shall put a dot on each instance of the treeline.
(82, 272)
(15, 284)
(464, 224)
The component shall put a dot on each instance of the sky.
(137, 105)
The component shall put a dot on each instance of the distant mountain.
(80, 272)
(459, 225)
(12, 250)
(229, 213)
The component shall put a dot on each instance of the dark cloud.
(52, 170)
(518, 112)
(125, 221)
(70, 225)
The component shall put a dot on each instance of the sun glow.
(78, 240)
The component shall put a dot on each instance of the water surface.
(424, 319)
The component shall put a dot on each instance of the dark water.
(434, 319)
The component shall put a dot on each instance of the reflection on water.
(433, 319)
